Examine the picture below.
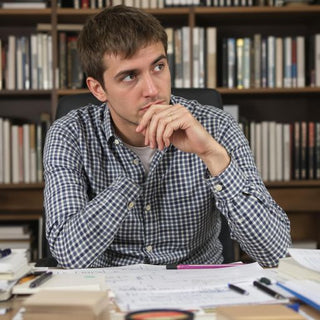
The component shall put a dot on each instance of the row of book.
(204, 58)
(257, 62)
(17, 236)
(21, 147)
(285, 151)
(13, 266)
(158, 4)
(24, 4)
(271, 62)
(26, 62)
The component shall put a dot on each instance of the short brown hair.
(118, 30)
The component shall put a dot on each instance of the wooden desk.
(16, 301)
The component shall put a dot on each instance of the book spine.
(212, 58)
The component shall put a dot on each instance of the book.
(11, 63)
(232, 62)
(211, 57)
(1, 151)
(271, 63)
(24, 5)
(240, 60)
(89, 305)
(257, 60)
(15, 265)
(272, 151)
(257, 312)
(307, 291)
(196, 56)
(287, 62)
(6, 151)
(14, 232)
(60, 27)
(301, 65)
(170, 52)
(65, 281)
(279, 63)
(6, 289)
(186, 57)
(178, 58)
(290, 267)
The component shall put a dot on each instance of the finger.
(169, 130)
(156, 127)
(149, 114)
(146, 136)
(163, 124)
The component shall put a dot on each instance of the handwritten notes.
(147, 286)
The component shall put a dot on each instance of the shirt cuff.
(229, 183)
(126, 187)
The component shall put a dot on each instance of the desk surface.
(16, 301)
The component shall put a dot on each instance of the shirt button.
(148, 207)
(116, 141)
(131, 205)
(218, 187)
(149, 248)
(136, 161)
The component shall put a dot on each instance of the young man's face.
(133, 84)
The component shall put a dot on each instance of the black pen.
(237, 289)
(5, 252)
(43, 278)
(268, 290)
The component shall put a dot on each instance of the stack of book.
(23, 4)
(16, 237)
(301, 275)
(55, 304)
(13, 265)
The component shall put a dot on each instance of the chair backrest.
(204, 96)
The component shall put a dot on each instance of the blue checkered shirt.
(102, 210)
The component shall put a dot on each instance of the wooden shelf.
(293, 184)
(18, 186)
(30, 17)
(304, 14)
(299, 198)
(25, 93)
(269, 91)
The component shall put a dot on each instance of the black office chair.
(204, 96)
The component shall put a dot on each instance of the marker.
(5, 252)
(268, 290)
(43, 278)
(201, 266)
(30, 276)
(265, 280)
(237, 289)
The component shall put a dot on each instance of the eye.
(159, 66)
(129, 77)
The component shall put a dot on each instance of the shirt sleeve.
(256, 221)
(74, 220)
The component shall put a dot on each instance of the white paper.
(309, 258)
(144, 286)
(305, 288)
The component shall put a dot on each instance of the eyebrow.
(130, 71)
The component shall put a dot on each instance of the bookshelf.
(300, 198)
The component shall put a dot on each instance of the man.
(143, 178)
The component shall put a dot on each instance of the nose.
(150, 88)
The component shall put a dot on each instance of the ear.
(96, 89)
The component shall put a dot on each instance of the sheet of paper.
(306, 290)
(147, 286)
(63, 281)
(309, 258)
